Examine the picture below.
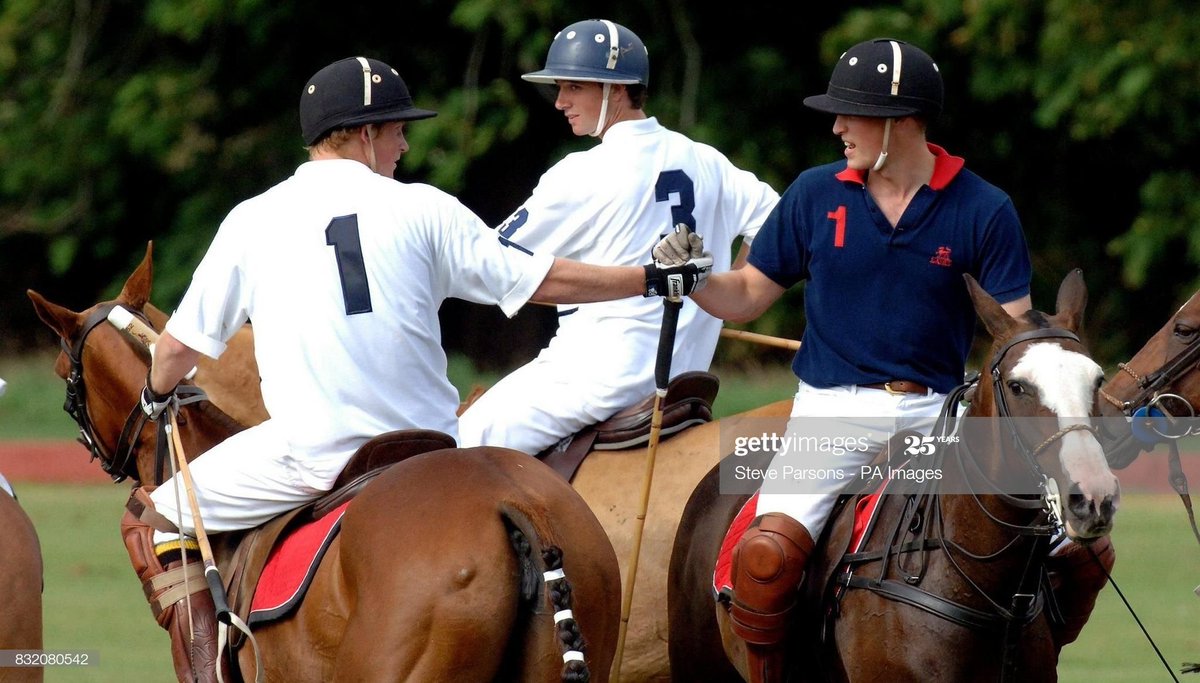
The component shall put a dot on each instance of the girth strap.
(941, 607)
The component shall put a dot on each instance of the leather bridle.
(121, 462)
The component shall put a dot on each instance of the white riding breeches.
(240, 483)
(539, 404)
(858, 415)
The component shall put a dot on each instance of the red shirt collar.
(945, 168)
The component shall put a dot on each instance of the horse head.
(1159, 387)
(105, 371)
(1043, 385)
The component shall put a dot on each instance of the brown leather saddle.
(242, 556)
(688, 402)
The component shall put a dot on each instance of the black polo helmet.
(354, 92)
(882, 78)
(596, 50)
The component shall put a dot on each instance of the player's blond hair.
(336, 139)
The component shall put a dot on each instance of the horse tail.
(541, 568)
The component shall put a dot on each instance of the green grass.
(1158, 566)
(32, 406)
(93, 602)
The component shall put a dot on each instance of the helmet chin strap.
(603, 111)
(883, 151)
(897, 66)
(374, 166)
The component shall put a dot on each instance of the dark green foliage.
(125, 121)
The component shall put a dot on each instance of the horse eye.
(1184, 331)
(1016, 388)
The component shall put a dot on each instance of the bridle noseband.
(1030, 454)
(122, 463)
(1151, 402)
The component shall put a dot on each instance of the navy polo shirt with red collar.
(884, 303)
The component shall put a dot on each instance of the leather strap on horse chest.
(934, 604)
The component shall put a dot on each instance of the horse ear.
(60, 319)
(1072, 299)
(136, 291)
(997, 320)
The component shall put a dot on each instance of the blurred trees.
(126, 121)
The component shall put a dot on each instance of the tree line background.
(127, 121)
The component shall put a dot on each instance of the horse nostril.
(1077, 503)
(1108, 507)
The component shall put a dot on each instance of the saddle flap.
(390, 448)
(247, 553)
(688, 402)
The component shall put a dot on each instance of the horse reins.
(1151, 384)
(1150, 397)
(1028, 600)
(121, 463)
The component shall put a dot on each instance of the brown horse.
(437, 571)
(1161, 380)
(947, 587)
(1159, 389)
(607, 481)
(21, 591)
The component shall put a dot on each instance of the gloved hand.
(676, 282)
(678, 247)
(153, 403)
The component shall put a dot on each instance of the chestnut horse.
(1159, 388)
(20, 588)
(948, 587)
(437, 571)
(607, 481)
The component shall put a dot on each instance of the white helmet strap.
(603, 110)
(897, 64)
(614, 51)
(614, 46)
(366, 67)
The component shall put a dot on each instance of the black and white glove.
(676, 282)
(678, 247)
(153, 403)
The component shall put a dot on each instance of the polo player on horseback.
(342, 270)
(882, 240)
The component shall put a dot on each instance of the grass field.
(93, 603)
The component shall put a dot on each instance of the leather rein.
(1151, 405)
(121, 462)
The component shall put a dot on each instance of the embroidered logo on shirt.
(941, 257)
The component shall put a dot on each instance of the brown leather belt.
(898, 386)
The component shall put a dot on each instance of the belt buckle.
(887, 386)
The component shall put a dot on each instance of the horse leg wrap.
(1077, 579)
(170, 589)
(768, 565)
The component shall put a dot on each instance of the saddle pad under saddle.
(864, 514)
(291, 566)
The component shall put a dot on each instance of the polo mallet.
(764, 339)
(125, 321)
(662, 376)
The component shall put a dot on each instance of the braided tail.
(570, 639)
(544, 565)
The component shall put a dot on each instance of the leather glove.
(153, 403)
(676, 282)
(678, 247)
